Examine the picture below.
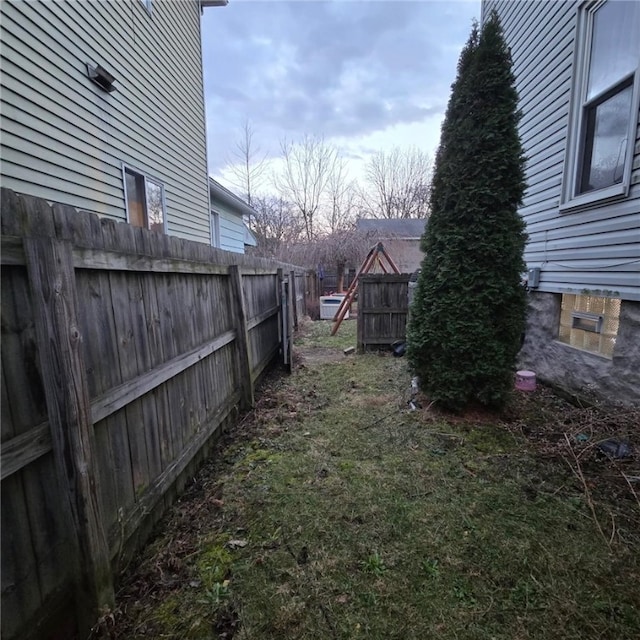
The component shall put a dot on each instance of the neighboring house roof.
(231, 200)
(394, 228)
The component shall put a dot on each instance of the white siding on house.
(231, 229)
(64, 139)
(594, 249)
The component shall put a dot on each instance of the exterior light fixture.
(100, 76)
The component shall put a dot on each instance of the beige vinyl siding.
(596, 249)
(65, 139)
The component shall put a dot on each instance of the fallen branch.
(577, 470)
(628, 481)
(380, 419)
(613, 528)
(327, 619)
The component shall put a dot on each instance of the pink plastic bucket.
(525, 380)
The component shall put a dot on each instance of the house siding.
(597, 249)
(405, 252)
(231, 229)
(65, 140)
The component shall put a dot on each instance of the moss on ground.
(339, 513)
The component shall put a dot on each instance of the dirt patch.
(316, 356)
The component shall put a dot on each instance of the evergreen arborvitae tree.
(469, 305)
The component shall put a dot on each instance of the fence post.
(311, 292)
(293, 294)
(279, 279)
(53, 290)
(360, 317)
(242, 337)
(306, 290)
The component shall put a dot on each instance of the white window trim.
(570, 202)
(146, 177)
(214, 217)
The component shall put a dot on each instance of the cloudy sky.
(365, 74)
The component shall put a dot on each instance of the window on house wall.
(605, 105)
(215, 229)
(145, 201)
(589, 323)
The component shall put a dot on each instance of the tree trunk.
(340, 276)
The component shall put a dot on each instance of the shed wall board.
(406, 253)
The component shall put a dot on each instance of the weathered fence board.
(124, 354)
(54, 296)
(21, 594)
(242, 337)
(382, 309)
(18, 452)
(329, 282)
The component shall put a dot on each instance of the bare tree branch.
(341, 199)
(247, 164)
(335, 251)
(275, 225)
(398, 184)
(308, 165)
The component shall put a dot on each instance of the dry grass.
(334, 512)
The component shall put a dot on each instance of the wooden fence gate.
(383, 306)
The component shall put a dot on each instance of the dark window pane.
(135, 199)
(606, 128)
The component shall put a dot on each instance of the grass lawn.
(335, 512)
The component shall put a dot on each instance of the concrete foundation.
(615, 380)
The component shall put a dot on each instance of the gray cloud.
(341, 68)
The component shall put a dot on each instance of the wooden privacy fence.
(124, 353)
(382, 309)
(329, 282)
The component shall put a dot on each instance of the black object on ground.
(615, 448)
(399, 349)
